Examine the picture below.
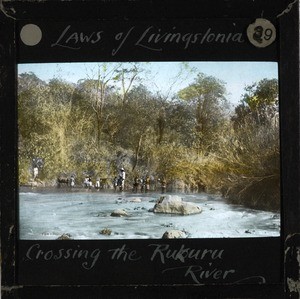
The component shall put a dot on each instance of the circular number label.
(261, 33)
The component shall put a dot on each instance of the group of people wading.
(143, 184)
(99, 183)
(140, 184)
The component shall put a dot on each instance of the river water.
(46, 215)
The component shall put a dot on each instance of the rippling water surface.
(83, 214)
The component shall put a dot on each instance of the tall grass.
(246, 166)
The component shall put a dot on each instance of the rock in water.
(168, 204)
(119, 213)
(174, 234)
(64, 237)
(106, 231)
(135, 199)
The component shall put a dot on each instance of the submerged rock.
(135, 199)
(121, 200)
(174, 234)
(168, 204)
(119, 213)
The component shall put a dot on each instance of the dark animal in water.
(62, 181)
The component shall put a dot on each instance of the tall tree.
(138, 121)
(44, 112)
(207, 95)
(259, 104)
(99, 89)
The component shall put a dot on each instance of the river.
(46, 215)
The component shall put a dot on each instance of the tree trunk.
(137, 150)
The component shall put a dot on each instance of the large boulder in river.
(168, 204)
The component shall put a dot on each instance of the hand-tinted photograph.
(148, 150)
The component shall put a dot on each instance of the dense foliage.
(100, 124)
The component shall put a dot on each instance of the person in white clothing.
(35, 173)
(97, 185)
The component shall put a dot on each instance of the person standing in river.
(97, 184)
(72, 181)
(35, 172)
(163, 183)
(147, 183)
(122, 176)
